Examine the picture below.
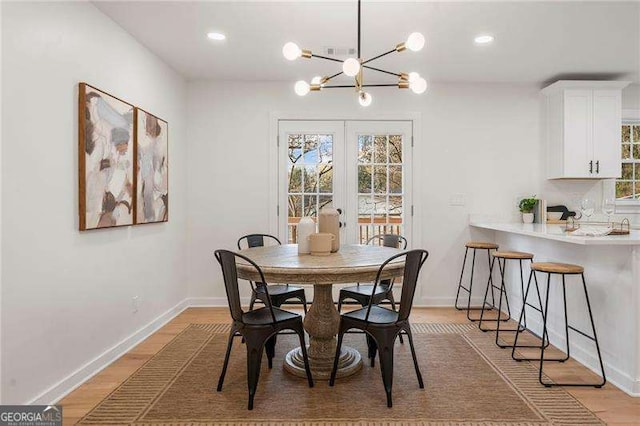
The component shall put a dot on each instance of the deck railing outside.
(367, 228)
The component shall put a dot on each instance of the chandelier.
(354, 67)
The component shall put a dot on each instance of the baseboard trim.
(68, 384)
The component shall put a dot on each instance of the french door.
(361, 167)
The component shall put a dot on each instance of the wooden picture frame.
(151, 153)
(106, 144)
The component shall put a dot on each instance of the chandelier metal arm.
(325, 58)
(379, 56)
(342, 86)
(381, 70)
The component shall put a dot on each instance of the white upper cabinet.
(582, 125)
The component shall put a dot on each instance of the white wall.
(66, 295)
(480, 140)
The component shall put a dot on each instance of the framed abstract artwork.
(152, 168)
(106, 159)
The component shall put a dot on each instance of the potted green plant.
(526, 206)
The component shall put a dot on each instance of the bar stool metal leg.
(518, 329)
(468, 308)
(594, 338)
(491, 285)
(522, 314)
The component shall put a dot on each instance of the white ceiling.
(534, 41)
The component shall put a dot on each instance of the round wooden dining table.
(351, 264)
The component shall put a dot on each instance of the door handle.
(591, 166)
(598, 166)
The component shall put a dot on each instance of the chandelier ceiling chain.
(354, 67)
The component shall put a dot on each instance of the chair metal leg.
(413, 355)
(226, 359)
(305, 357)
(385, 343)
(334, 371)
(270, 349)
(372, 348)
(254, 359)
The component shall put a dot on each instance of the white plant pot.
(527, 217)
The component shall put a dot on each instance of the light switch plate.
(457, 200)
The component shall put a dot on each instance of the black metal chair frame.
(469, 290)
(386, 285)
(381, 336)
(257, 240)
(258, 337)
(545, 337)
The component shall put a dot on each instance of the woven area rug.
(468, 381)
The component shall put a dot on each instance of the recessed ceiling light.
(483, 39)
(216, 36)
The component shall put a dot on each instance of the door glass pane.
(365, 150)
(395, 179)
(364, 179)
(380, 149)
(380, 200)
(395, 149)
(310, 173)
(380, 179)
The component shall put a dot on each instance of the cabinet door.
(606, 133)
(578, 147)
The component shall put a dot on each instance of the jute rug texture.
(468, 381)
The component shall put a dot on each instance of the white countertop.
(557, 233)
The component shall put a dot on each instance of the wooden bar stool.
(502, 257)
(474, 245)
(560, 269)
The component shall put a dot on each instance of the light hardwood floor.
(609, 403)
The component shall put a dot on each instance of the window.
(310, 177)
(628, 186)
(380, 189)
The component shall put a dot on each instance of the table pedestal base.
(350, 362)
(322, 323)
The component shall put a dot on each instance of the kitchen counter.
(557, 233)
(612, 272)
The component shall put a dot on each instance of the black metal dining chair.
(258, 327)
(362, 293)
(279, 293)
(383, 325)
